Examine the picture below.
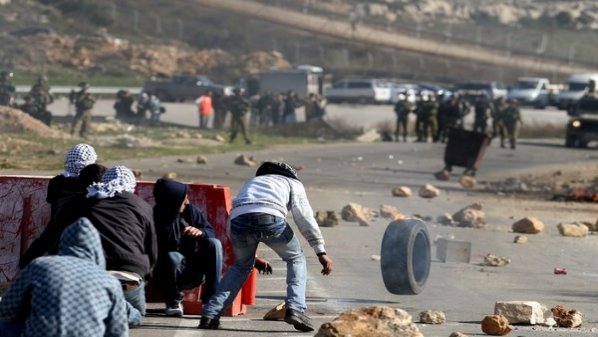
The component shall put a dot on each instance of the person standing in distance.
(259, 215)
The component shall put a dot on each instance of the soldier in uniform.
(7, 90)
(428, 115)
(483, 111)
(239, 106)
(40, 92)
(498, 128)
(402, 109)
(29, 107)
(84, 102)
(511, 120)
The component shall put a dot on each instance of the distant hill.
(137, 38)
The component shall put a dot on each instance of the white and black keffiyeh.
(117, 179)
(77, 158)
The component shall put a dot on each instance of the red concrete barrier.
(24, 213)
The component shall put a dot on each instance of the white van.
(363, 91)
(533, 91)
(575, 87)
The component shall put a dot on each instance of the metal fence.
(347, 58)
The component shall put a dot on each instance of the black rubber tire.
(405, 257)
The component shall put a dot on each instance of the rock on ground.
(245, 160)
(428, 191)
(520, 239)
(357, 213)
(528, 226)
(401, 191)
(16, 121)
(496, 325)
(577, 230)
(520, 312)
(467, 181)
(201, 160)
(566, 318)
(391, 212)
(458, 334)
(471, 216)
(276, 313)
(374, 321)
(326, 218)
(496, 261)
(432, 317)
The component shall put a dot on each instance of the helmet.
(6, 74)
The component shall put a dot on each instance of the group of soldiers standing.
(436, 114)
(35, 102)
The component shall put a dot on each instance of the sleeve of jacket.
(199, 220)
(117, 323)
(15, 300)
(151, 240)
(303, 215)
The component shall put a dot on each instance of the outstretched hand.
(262, 266)
(326, 263)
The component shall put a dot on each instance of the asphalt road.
(365, 173)
(336, 174)
(367, 116)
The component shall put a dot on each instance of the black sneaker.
(298, 320)
(209, 323)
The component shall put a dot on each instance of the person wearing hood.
(259, 215)
(126, 226)
(70, 294)
(65, 214)
(189, 252)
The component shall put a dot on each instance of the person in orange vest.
(205, 109)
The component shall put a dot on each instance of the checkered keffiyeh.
(68, 294)
(117, 179)
(77, 158)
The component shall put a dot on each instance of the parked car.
(471, 89)
(361, 91)
(182, 87)
(531, 91)
(575, 88)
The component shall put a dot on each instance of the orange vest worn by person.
(205, 106)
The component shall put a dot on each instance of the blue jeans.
(187, 272)
(135, 300)
(246, 232)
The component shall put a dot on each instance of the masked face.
(184, 204)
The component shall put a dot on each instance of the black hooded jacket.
(169, 196)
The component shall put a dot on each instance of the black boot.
(209, 323)
(298, 320)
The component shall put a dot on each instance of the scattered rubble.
(442, 175)
(244, 160)
(520, 312)
(447, 220)
(467, 181)
(471, 216)
(520, 239)
(170, 175)
(560, 271)
(528, 226)
(326, 218)
(496, 325)
(379, 321)
(375, 257)
(401, 191)
(276, 313)
(566, 318)
(201, 160)
(219, 138)
(577, 230)
(496, 261)
(391, 212)
(357, 213)
(432, 317)
(428, 191)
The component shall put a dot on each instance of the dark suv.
(583, 125)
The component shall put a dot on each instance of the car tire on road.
(405, 257)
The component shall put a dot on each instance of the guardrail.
(65, 90)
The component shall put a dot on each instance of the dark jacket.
(126, 226)
(169, 196)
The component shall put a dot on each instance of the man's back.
(125, 223)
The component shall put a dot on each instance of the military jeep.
(582, 127)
